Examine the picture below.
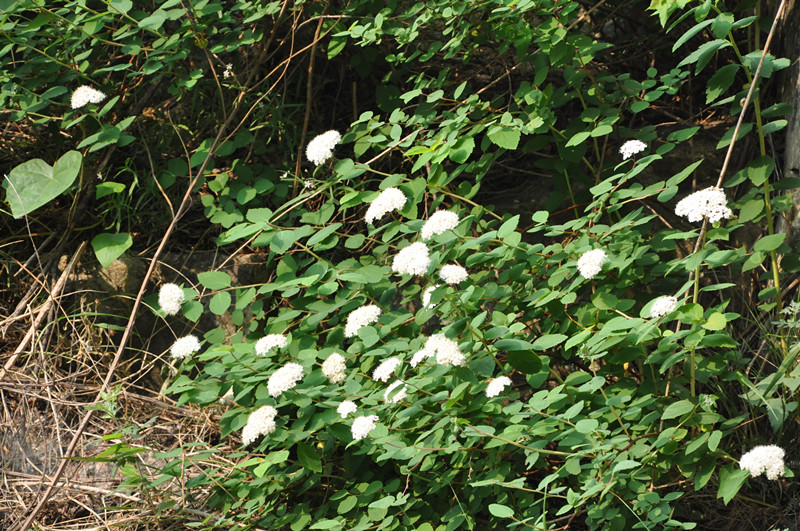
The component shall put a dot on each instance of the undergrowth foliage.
(416, 360)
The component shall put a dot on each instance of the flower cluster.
(412, 260)
(631, 148)
(591, 262)
(445, 350)
(497, 385)
(710, 203)
(260, 422)
(399, 395)
(361, 317)
(762, 459)
(86, 94)
(321, 146)
(268, 342)
(170, 298)
(390, 199)
(453, 274)
(345, 408)
(439, 222)
(185, 347)
(426, 296)
(663, 306)
(385, 370)
(284, 379)
(363, 425)
(333, 368)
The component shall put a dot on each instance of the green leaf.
(726, 138)
(751, 209)
(108, 247)
(586, 426)
(677, 409)
(770, 242)
(508, 227)
(548, 341)
(462, 149)
(731, 480)
(524, 361)
(347, 504)
(35, 183)
(220, 303)
(308, 457)
(104, 189)
(504, 137)
(716, 321)
(759, 170)
(720, 82)
(501, 511)
(366, 275)
(513, 344)
(192, 310)
(214, 279)
(272, 459)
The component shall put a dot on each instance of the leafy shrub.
(609, 414)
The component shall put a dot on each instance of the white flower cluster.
(284, 379)
(363, 425)
(321, 146)
(591, 262)
(390, 199)
(426, 296)
(227, 397)
(445, 350)
(412, 260)
(631, 148)
(710, 203)
(185, 347)
(86, 94)
(399, 395)
(453, 274)
(385, 370)
(762, 459)
(361, 317)
(170, 298)
(260, 422)
(662, 306)
(268, 342)
(497, 385)
(333, 368)
(345, 408)
(439, 222)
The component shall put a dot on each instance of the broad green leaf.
(513, 344)
(220, 303)
(524, 361)
(35, 183)
(548, 341)
(347, 504)
(462, 149)
(677, 409)
(214, 279)
(508, 227)
(504, 137)
(501, 511)
(716, 321)
(586, 426)
(726, 138)
(108, 247)
(751, 209)
(760, 169)
(720, 82)
(770, 242)
(308, 457)
(272, 459)
(731, 480)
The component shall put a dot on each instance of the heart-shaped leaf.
(108, 247)
(35, 183)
